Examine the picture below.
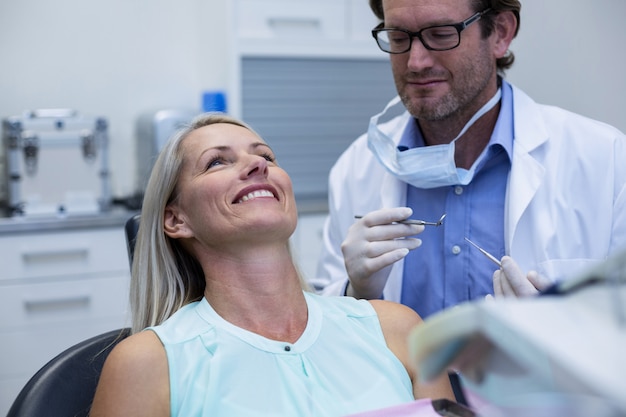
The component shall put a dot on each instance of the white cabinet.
(280, 20)
(57, 288)
(340, 28)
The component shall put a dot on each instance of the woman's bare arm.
(397, 321)
(134, 380)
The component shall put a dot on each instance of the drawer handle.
(44, 257)
(57, 304)
(294, 23)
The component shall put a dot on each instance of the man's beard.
(462, 95)
(446, 106)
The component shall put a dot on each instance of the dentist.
(541, 188)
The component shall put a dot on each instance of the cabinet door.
(39, 321)
(282, 20)
(62, 254)
(26, 306)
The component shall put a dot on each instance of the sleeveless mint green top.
(340, 365)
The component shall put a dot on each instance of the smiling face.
(230, 189)
(435, 85)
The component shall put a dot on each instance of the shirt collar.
(503, 131)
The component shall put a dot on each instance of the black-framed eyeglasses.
(434, 38)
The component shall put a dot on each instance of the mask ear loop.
(388, 144)
(393, 103)
(481, 112)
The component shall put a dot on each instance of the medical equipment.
(419, 222)
(487, 254)
(57, 163)
(154, 128)
(562, 351)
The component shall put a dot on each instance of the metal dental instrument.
(420, 222)
(487, 254)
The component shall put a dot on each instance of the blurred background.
(121, 59)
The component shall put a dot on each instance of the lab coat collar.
(527, 171)
(529, 130)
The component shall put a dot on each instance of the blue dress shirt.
(446, 270)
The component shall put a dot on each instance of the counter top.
(112, 218)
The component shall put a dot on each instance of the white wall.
(572, 53)
(120, 58)
(113, 58)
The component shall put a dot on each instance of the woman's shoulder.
(134, 379)
(143, 349)
(394, 316)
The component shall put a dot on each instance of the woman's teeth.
(255, 194)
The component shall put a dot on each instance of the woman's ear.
(174, 223)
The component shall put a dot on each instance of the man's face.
(435, 85)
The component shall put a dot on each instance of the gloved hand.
(509, 280)
(373, 244)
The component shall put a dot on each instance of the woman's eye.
(214, 162)
(269, 157)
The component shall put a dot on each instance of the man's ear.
(174, 223)
(505, 29)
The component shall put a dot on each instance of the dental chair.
(130, 229)
(65, 386)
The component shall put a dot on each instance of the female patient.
(221, 323)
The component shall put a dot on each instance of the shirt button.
(456, 249)
(458, 190)
(287, 348)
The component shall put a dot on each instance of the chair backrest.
(131, 228)
(65, 386)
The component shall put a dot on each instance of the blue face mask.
(426, 166)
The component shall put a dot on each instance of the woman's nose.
(255, 165)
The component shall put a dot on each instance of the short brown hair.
(486, 22)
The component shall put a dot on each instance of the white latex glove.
(510, 281)
(373, 244)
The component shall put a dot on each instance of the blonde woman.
(221, 323)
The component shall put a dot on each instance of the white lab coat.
(565, 207)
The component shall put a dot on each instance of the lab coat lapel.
(394, 194)
(527, 170)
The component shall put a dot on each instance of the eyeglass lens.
(435, 38)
